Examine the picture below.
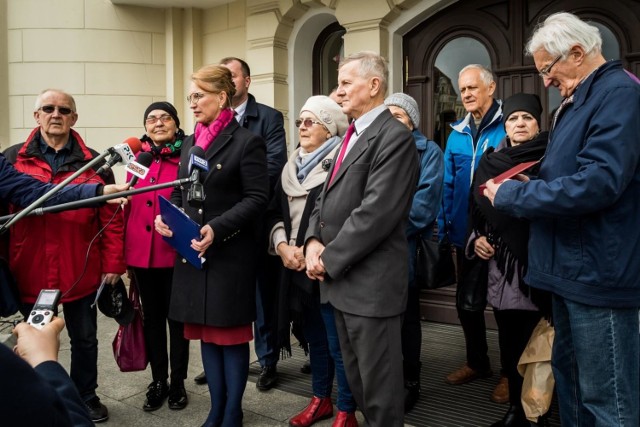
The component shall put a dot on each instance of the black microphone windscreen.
(145, 159)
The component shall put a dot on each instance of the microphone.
(140, 167)
(122, 153)
(197, 163)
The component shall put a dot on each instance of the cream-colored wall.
(116, 60)
(110, 58)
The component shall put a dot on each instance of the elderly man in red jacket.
(73, 251)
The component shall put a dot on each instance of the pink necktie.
(343, 150)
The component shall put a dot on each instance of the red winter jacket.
(52, 251)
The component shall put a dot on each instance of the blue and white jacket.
(460, 162)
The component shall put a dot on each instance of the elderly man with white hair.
(584, 209)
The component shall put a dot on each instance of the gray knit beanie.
(407, 103)
(328, 112)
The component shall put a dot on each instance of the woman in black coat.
(217, 302)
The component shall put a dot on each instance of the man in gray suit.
(356, 244)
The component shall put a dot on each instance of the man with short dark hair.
(75, 250)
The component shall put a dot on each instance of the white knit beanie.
(328, 112)
(407, 103)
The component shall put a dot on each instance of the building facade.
(118, 56)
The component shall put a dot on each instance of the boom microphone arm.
(93, 201)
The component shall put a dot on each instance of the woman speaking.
(217, 302)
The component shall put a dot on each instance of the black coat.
(268, 123)
(236, 188)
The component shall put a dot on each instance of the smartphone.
(44, 308)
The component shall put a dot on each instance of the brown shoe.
(501, 392)
(465, 375)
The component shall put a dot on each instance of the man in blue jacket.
(585, 239)
(480, 129)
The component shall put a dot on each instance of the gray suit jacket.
(361, 219)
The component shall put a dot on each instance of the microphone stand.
(93, 201)
(17, 217)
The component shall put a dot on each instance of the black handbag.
(471, 293)
(434, 264)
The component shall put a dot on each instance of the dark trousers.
(412, 336)
(372, 356)
(263, 327)
(82, 326)
(227, 370)
(154, 285)
(474, 328)
(514, 330)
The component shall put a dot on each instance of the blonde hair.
(215, 79)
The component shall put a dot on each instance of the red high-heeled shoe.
(345, 419)
(320, 408)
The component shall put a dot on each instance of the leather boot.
(411, 394)
(318, 409)
(345, 419)
(513, 418)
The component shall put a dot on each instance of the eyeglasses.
(545, 71)
(165, 118)
(194, 97)
(65, 111)
(307, 122)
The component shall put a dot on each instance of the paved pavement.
(124, 393)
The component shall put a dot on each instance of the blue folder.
(184, 230)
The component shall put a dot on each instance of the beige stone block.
(215, 19)
(125, 79)
(353, 10)
(105, 15)
(237, 14)
(263, 25)
(87, 46)
(364, 40)
(45, 13)
(261, 61)
(16, 136)
(16, 112)
(101, 111)
(234, 45)
(158, 49)
(14, 46)
(33, 77)
(101, 139)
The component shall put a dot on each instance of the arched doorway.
(502, 28)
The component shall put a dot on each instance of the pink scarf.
(206, 134)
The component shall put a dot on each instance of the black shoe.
(200, 379)
(156, 393)
(268, 378)
(411, 394)
(513, 418)
(177, 396)
(306, 367)
(97, 411)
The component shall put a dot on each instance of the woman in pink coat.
(150, 260)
